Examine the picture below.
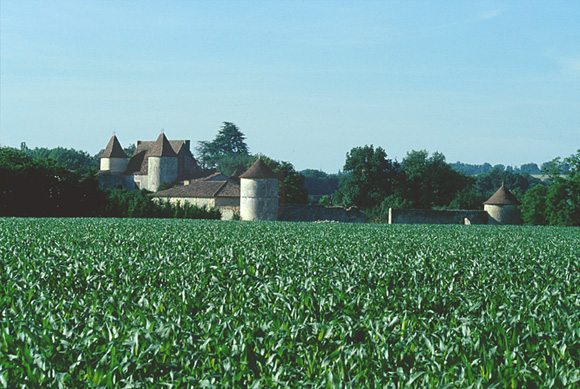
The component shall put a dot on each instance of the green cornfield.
(179, 303)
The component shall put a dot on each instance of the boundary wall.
(432, 216)
(312, 213)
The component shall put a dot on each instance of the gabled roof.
(259, 170)
(203, 189)
(114, 149)
(162, 148)
(502, 197)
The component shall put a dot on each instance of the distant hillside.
(473, 170)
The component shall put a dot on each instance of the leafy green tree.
(234, 164)
(467, 198)
(369, 177)
(319, 183)
(229, 140)
(518, 183)
(556, 167)
(291, 183)
(41, 187)
(558, 203)
(563, 202)
(129, 150)
(530, 168)
(533, 207)
(70, 159)
(471, 170)
(563, 197)
(429, 180)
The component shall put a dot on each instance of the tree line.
(375, 183)
(65, 183)
(41, 187)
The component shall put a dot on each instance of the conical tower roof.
(114, 149)
(259, 170)
(502, 197)
(162, 148)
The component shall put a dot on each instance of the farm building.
(502, 207)
(259, 193)
(152, 164)
(254, 196)
(215, 191)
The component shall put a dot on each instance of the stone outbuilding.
(252, 196)
(215, 191)
(502, 207)
(259, 193)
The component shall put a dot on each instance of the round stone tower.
(259, 193)
(114, 159)
(502, 207)
(162, 163)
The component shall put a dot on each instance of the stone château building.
(152, 164)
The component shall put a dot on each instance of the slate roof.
(162, 148)
(259, 170)
(502, 197)
(138, 163)
(203, 189)
(114, 149)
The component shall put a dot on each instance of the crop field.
(179, 303)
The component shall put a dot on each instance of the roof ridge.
(224, 183)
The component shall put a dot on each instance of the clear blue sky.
(479, 81)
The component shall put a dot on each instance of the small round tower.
(259, 193)
(162, 163)
(114, 159)
(502, 207)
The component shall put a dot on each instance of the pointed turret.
(502, 207)
(259, 193)
(162, 163)
(502, 197)
(113, 158)
(113, 149)
(259, 170)
(162, 148)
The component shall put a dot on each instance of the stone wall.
(311, 213)
(431, 216)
